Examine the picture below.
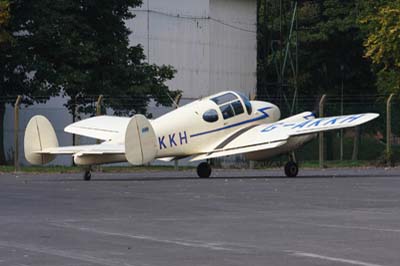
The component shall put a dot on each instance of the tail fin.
(140, 141)
(39, 135)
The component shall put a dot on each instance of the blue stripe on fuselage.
(263, 116)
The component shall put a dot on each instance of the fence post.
(321, 134)
(176, 103)
(252, 96)
(389, 129)
(16, 131)
(98, 104)
(98, 112)
(98, 109)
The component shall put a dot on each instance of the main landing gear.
(87, 175)
(204, 170)
(291, 167)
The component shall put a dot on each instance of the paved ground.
(331, 217)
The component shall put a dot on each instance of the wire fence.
(366, 143)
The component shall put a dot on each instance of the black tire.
(291, 169)
(87, 175)
(204, 170)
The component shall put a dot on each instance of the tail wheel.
(87, 175)
(291, 169)
(204, 170)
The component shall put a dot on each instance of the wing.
(268, 136)
(100, 127)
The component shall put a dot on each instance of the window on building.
(210, 116)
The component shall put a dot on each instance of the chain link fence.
(365, 143)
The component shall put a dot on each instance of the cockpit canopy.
(230, 105)
(246, 102)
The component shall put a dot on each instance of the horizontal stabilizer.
(100, 127)
(103, 148)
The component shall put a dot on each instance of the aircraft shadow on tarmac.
(127, 177)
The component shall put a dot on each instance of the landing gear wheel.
(291, 169)
(204, 170)
(87, 175)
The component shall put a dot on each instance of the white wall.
(233, 55)
(211, 43)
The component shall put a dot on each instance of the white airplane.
(222, 124)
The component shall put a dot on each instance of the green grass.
(76, 169)
(127, 169)
(338, 164)
(315, 164)
(40, 169)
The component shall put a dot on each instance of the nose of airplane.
(275, 113)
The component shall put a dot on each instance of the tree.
(382, 44)
(4, 18)
(14, 72)
(77, 49)
(82, 48)
(329, 48)
(330, 51)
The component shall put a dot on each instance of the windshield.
(246, 102)
(224, 98)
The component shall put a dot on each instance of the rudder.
(140, 141)
(39, 135)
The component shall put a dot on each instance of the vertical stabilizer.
(39, 135)
(140, 141)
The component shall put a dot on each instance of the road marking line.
(62, 253)
(184, 242)
(354, 227)
(322, 257)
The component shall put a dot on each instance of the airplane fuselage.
(199, 126)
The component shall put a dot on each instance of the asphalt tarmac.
(237, 217)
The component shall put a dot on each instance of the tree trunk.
(356, 143)
(2, 154)
(73, 121)
(73, 116)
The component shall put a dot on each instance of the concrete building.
(211, 43)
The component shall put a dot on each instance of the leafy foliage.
(4, 18)
(75, 49)
(382, 45)
(330, 50)
(81, 48)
